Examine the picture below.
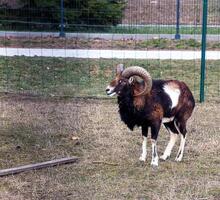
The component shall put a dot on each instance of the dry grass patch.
(43, 129)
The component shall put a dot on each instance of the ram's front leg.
(154, 134)
(143, 156)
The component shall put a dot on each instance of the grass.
(76, 43)
(89, 77)
(157, 30)
(39, 129)
(154, 29)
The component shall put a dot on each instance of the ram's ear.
(119, 68)
(131, 80)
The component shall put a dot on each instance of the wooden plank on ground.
(51, 163)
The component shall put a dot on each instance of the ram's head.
(136, 77)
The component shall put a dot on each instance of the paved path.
(106, 36)
(118, 54)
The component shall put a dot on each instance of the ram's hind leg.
(173, 138)
(179, 156)
(169, 148)
(181, 127)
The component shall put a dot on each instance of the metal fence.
(148, 33)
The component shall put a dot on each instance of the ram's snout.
(110, 91)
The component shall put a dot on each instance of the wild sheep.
(150, 103)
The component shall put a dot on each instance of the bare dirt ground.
(37, 129)
(76, 43)
(164, 12)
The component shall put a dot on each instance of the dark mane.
(128, 112)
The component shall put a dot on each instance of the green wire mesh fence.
(104, 25)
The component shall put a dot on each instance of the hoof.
(142, 159)
(164, 157)
(178, 159)
(154, 163)
(154, 166)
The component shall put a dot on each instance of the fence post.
(177, 36)
(203, 56)
(62, 33)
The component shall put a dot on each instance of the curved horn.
(141, 72)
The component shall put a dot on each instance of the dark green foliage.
(45, 14)
(105, 12)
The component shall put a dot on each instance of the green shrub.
(45, 14)
(96, 12)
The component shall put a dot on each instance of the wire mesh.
(145, 25)
(39, 71)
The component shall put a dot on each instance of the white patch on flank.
(173, 93)
(167, 119)
(144, 150)
(168, 150)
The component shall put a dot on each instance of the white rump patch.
(173, 93)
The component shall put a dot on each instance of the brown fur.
(139, 101)
(157, 113)
(149, 109)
